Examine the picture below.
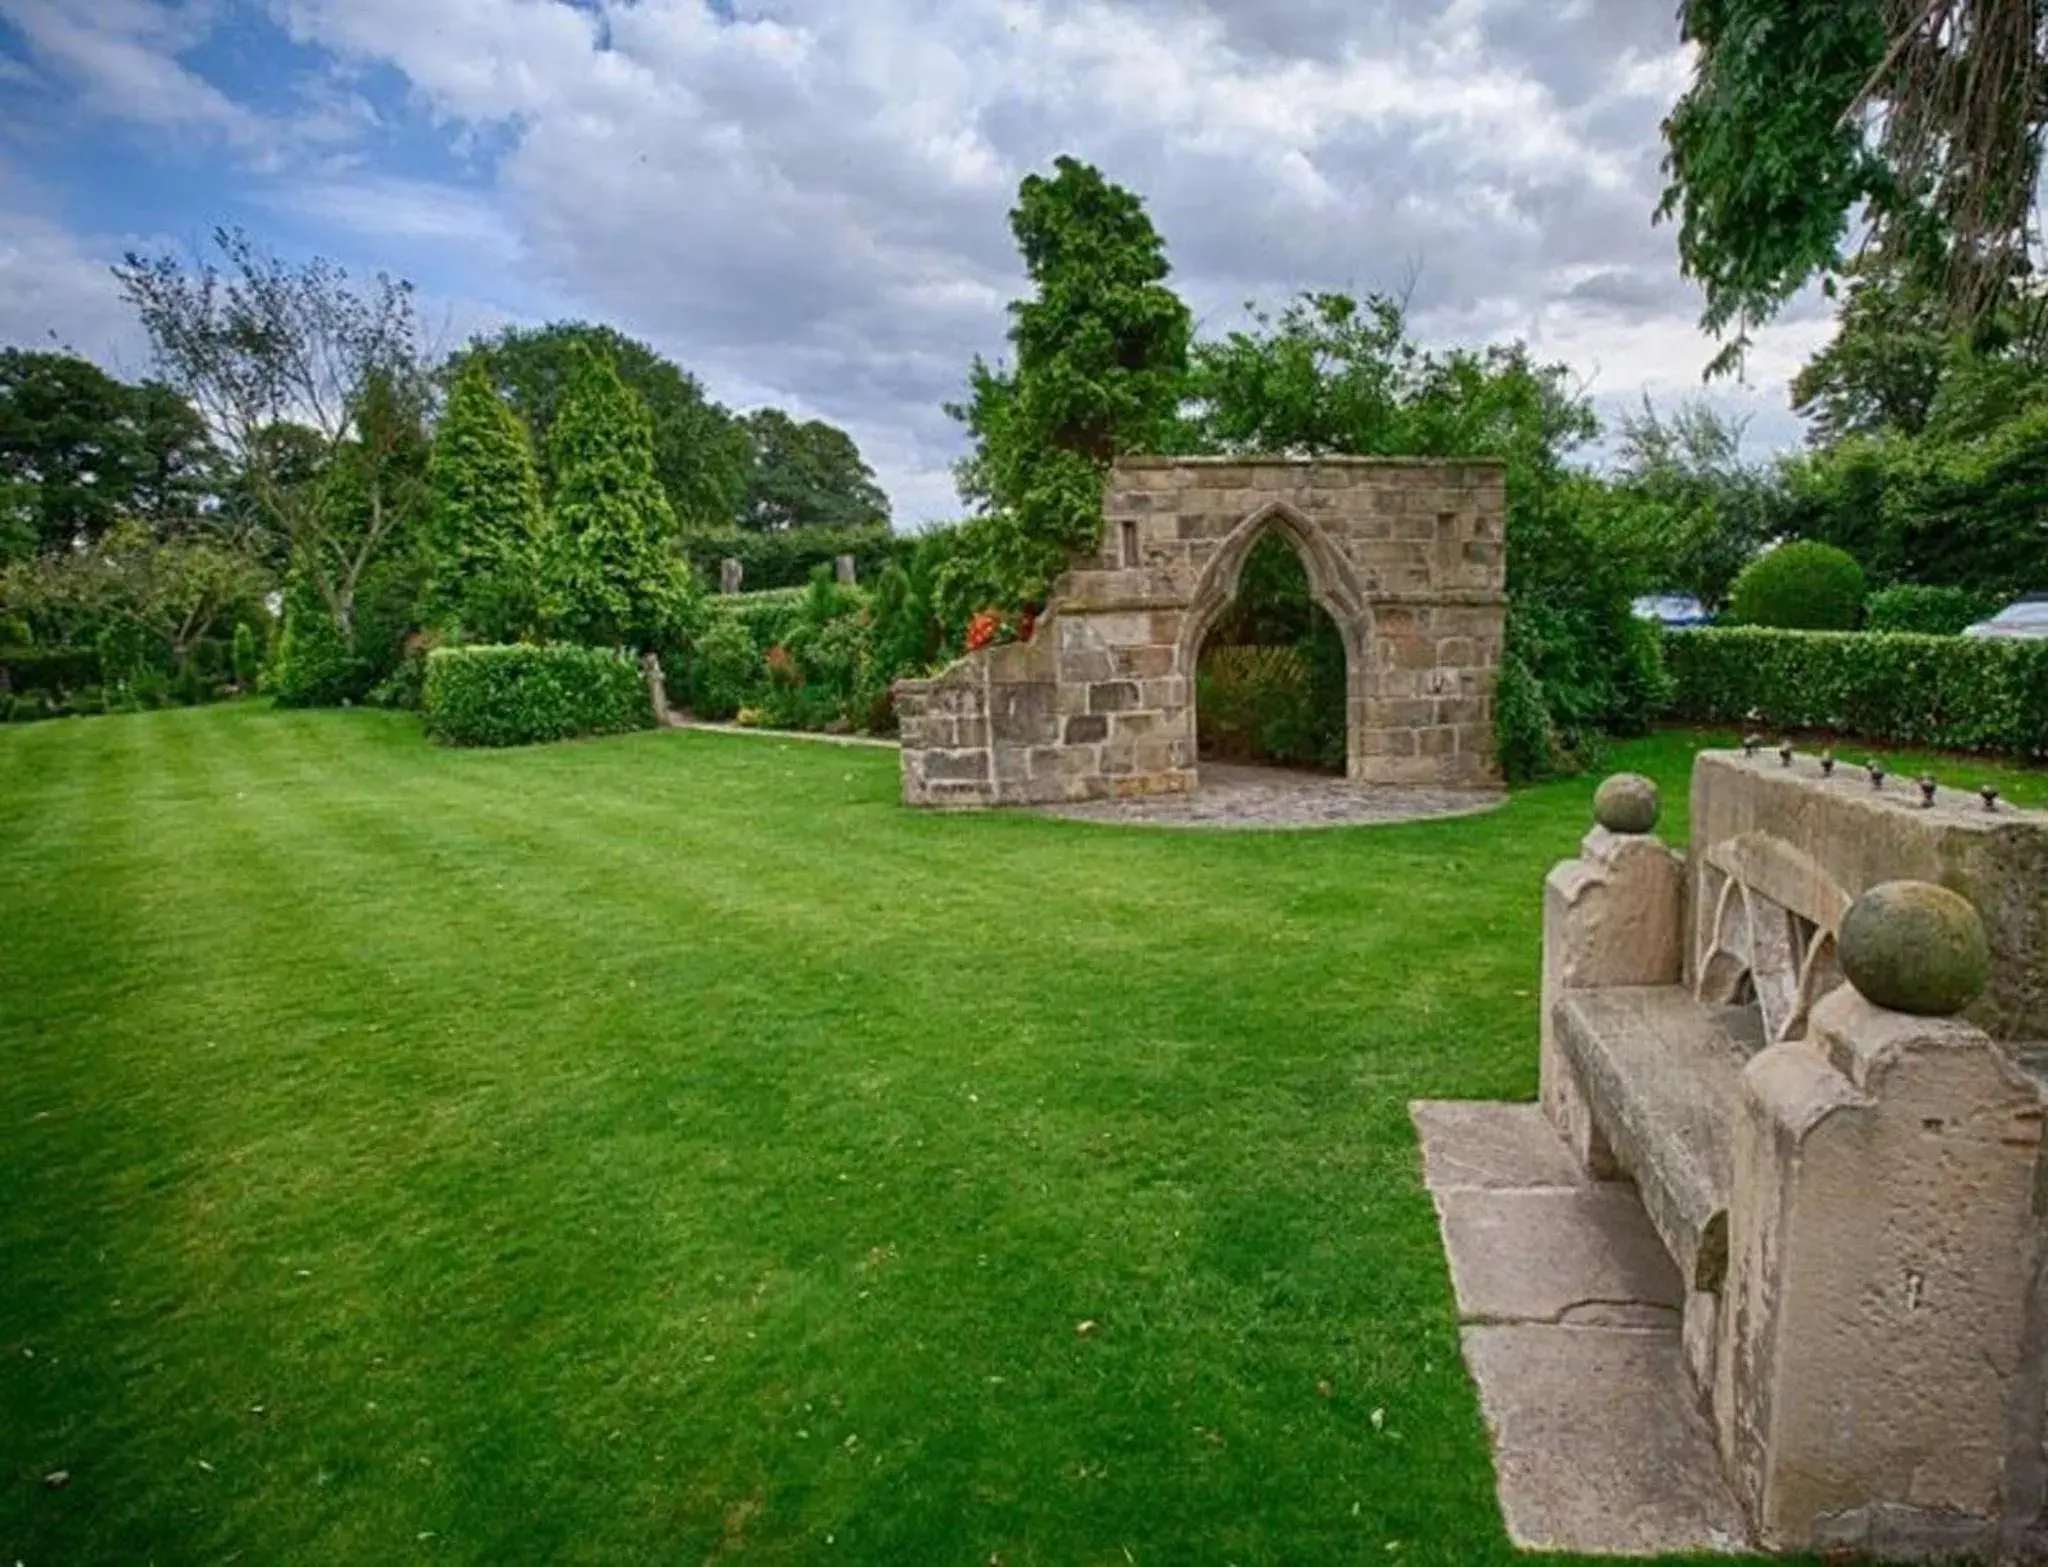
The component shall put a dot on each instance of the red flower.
(982, 629)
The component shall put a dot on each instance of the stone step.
(1662, 1074)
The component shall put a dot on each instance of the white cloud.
(809, 206)
(56, 293)
(121, 56)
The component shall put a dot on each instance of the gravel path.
(1238, 796)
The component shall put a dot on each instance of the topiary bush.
(1802, 586)
(523, 694)
(1932, 611)
(1950, 693)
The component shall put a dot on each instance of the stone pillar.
(730, 571)
(1873, 1379)
(844, 568)
(1611, 917)
(657, 686)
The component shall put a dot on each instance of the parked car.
(1672, 610)
(2025, 618)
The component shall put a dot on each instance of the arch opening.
(1274, 647)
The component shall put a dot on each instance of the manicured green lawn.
(668, 1149)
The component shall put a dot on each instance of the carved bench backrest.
(1766, 927)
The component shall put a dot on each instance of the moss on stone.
(1626, 803)
(1915, 947)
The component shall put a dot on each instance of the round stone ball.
(1915, 947)
(1627, 802)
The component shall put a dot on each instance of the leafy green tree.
(80, 451)
(702, 455)
(807, 475)
(1920, 120)
(1329, 374)
(259, 345)
(166, 595)
(488, 550)
(1691, 513)
(1882, 368)
(621, 584)
(1101, 356)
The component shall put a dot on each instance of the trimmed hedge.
(1939, 612)
(51, 669)
(519, 695)
(1948, 693)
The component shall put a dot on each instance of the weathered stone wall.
(1407, 556)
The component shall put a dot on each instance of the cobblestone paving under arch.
(1235, 796)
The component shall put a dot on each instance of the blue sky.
(803, 201)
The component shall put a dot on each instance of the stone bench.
(1661, 1077)
(1804, 1043)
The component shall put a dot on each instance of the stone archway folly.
(1407, 556)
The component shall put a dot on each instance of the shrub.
(1276, 704)
(1933, 611)
(1802, 586)
(726, 670)
(247, 664)
(313, 664)
(1952, 693)
(1525, 737)
(518, 695)
(52, 669)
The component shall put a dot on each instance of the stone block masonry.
(1406, 556)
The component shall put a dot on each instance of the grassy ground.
(668, 1149)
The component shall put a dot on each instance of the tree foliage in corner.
(80, 450)
(488, 531)
(1101, 354)
(1923, 116)
(621, 584)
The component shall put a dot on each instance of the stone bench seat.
(1661, 1075)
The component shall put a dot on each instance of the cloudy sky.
(804, 200)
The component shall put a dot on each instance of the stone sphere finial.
(1626, 803)
(1915, 947)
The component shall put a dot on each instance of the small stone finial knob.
(1876, 769)
(1626, 803)
(1914, 947)
(1785, 754)
(1990, 794)
(1752, 743)
(1827, 764)
(1927, 791)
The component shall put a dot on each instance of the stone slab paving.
(1570, 1313)
(1232, 795)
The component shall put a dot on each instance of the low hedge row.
(1947, 693)
(51, 669)
(519, 695)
